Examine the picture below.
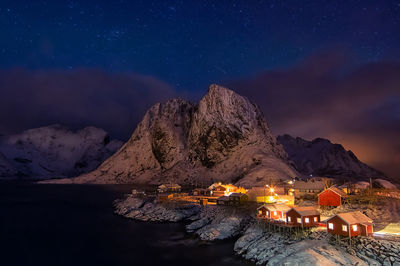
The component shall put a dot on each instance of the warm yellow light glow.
(355, 228)
(271, 190)
(289, 219)
(275, 213)
(315, 219)
(299, 220)
(344, 228)
(290, 182)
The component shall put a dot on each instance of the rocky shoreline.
(255, 242)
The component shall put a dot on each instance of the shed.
(350, 224)
(223, 200)
(332, 196)
(238, 198)
(303, 216)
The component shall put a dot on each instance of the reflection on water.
(75, 225)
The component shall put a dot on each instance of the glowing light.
(330, 226)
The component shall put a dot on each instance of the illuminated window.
(330, 226)
(260, 212)
(307, 220)
(299, 220)
(354, 227)
(344, 228)
(289, 219)
(274, 213)
(267, 212)
(315, 219)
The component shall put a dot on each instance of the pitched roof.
(236, 194)
(276, 207)
(224, 198)
(314, 184)
(354, 217)
(306, 211)
(337, 191)
(266, 190)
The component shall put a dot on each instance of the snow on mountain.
(6, 168)
(55, 151)
(223, 138)
(320, 157)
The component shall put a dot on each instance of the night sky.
(316, 68)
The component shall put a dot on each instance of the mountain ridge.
(224, 137)
(324, 158)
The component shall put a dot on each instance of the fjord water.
(75, 225)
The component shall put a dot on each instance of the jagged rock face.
(158, 143)
(322, 158)
(224, 137)
(223, 121)
(55, 151)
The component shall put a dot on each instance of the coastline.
(254, 241)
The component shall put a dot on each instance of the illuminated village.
(292, 204)
(346, 218)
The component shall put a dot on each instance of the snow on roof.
(354, 217)
(276, 207)
(315, 185)
(306, 211)
(337, 191)
(361, 184)
(224, 198)
(263, 190)
(236, 194)
(169, 185)
(385, 184)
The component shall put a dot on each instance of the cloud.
(327, 96)
(77, 98)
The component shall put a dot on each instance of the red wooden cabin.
(350, 224)
(303, 216)
(273, 211)
(331, 197)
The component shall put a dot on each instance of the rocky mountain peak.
(224, 137)
(323, 158)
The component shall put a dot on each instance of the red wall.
(329, 198)
(263, 210)
(337, 228)
(294, 215)
(277, 216)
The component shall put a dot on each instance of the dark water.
(75, 225)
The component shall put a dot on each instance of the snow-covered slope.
(225, 137)
(320, 157)
(6, 168)
(55, 151)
